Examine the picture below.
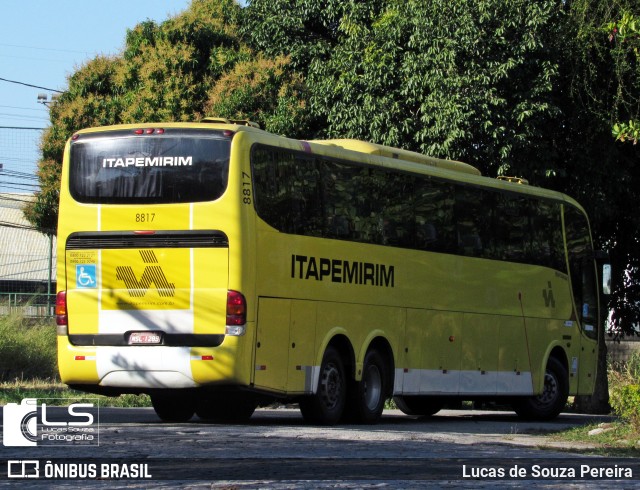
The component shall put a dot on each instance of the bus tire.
(173, 408)
(553, 398)
(367, 396)
(326, 406)
(228, 409)
(422, 406)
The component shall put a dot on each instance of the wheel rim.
(372, 382)
(550, 391)
(331, 386)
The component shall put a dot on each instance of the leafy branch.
(625, 33)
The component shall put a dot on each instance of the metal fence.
(29, 305)
(27, 257)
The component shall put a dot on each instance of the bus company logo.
(23, 468)
(165, 161)
(547, 295)
(34, 424)
(152, 274)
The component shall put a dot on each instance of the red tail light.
(61, 308)
(236, 309)
(148, 131)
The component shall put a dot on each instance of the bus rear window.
(175, 167)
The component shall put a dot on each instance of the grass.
(15, 391)
(27, 349)
(28, 366)
(620, 441)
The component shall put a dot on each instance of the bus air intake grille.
(158, 239)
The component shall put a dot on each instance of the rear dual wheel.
(422, 406)
(173, 408)
(367, 396)
(337, 399)
(326, 406)
(227, 408)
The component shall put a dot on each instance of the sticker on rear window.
(86, 276)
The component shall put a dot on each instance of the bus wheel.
(423, 406)
(367, 397)
(327, 405)
(173, 409)
(553, 398)
(228, 409)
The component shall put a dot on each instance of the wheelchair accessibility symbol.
(86, 276)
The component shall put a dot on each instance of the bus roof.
(397, 153)
(466, 172)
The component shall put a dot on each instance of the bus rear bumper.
(144, 367)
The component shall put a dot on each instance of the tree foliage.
(603, 85)
(265, 90)
(624, 34)
(178, 70)
(456, 79)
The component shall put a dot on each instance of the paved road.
(460, 449)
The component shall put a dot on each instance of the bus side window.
(433, 215)
(287, 192)
(473, 221)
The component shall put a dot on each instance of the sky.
(42, 43)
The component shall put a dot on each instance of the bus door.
(582, 270)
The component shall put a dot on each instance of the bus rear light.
(149, 131)
(202, 358)
(227, 133)
(61, 308)
(144, 232)
(236, 313)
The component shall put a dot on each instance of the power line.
(20, 127)
(30, 85)
(39, 109)
(16, 174)
(19, 116)
(31, 58)
(16, 186)
(44, 49)
(9, 197)
(18, 226)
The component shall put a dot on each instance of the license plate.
(137, 338)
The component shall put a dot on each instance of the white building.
(27, 257)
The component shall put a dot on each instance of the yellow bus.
(218, 267)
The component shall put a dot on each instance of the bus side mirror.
(606, 279)
(602, 259)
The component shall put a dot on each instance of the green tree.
(604, 83)
(455, 79)
(173, 71)
(265, 90)
(624, 35)
(515, 87)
